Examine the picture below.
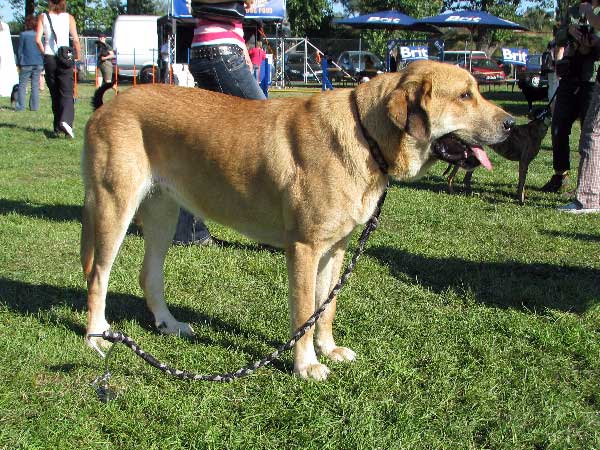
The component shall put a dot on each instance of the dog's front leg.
(327, 277)
(302, 263)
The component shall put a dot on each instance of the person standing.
(219, 62)
(325, 82)
(105, 55)
(576, 70)
(165, 58)
(59, 79)
(30, 64)
(257, 56)
(587, 195)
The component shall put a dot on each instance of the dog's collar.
(373, 145)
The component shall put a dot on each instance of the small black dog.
(532, 93)
(13, 96)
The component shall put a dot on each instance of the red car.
(486, 70)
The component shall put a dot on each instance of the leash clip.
(104, 392)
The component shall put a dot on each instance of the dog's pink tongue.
(482, 156)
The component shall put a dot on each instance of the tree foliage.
(307, 16)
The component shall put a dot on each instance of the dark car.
(532, 75)
(296, 67)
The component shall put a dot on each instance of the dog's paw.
(317, 372)
(175, 327)
(97, 343)
(340, 354)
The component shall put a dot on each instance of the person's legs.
(106, 69)
(34, 98)
(66, 84)
(588, 182)
(50, 75)
(566, 112)
(24, 76)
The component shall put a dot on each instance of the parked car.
(353, 62)
(532, 75)
(295, 69)
(485, 70)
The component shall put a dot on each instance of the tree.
(307, 16)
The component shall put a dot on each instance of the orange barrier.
(116, 76)
(75, 79)
(134, 72)
(97, 83)
(170, 73)
(152, 73)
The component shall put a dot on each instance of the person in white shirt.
(60, 79)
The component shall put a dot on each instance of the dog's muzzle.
(451, 149)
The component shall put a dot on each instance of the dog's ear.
(408, 108)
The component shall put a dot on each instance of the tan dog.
(296, 173)
(523, 145)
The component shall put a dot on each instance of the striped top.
(212, 32)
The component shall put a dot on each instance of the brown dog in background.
(523, 145)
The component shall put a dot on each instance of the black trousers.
(572, 102)
(60, 83)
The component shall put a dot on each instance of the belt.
(214, 51)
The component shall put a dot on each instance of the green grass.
(476, 321)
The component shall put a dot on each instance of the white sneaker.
(67, 129)
(575, 207)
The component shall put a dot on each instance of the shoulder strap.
(52, 28)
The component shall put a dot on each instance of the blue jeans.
(231, 75)
(26, 73)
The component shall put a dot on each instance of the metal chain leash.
(101, 382)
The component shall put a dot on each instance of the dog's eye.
(466, 95)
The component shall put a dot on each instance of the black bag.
(225, 10)
(64, 54)
(563, 67)
(547, 63)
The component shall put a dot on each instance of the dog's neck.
(375, 150)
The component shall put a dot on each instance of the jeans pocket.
(234, 62)
(208, 79)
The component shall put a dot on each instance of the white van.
(135, 41)
(462, 56)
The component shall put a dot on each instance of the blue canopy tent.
(387, 20)
(471, 20)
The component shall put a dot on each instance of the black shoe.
(555, 184)
(205, 242)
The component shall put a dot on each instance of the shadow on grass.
(508, 284)
(31, 299)
(572, 236)
(51, 212)
(29, 129)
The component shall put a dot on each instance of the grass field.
(476, 321)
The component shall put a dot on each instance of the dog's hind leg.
(327, 277)
(159, 214)
(302, 266)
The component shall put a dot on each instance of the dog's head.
(436, 112)
(542, 114)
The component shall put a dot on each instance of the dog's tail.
(88, 237)
(97, 101)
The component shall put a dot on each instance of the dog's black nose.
(509, 123)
